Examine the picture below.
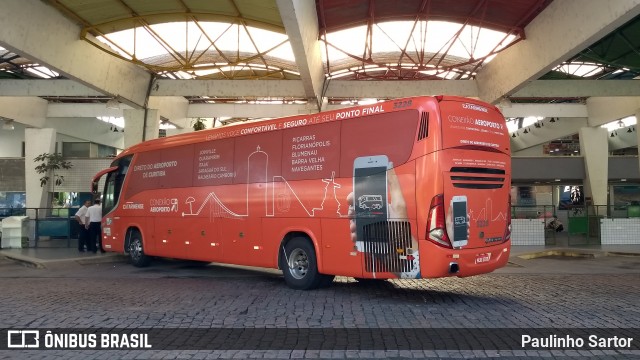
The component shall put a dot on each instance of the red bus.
(409, 188)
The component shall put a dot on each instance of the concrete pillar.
(134, 126)
(594, 147)
(555, 197)
(637, 129)
(300, 21)
(37, 141)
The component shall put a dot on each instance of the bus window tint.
(311, 152)
(213, 163)
(257, 157)
(161, 169)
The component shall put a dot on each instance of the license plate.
(483, 258)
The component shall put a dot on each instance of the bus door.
(112, 224)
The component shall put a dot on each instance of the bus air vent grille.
(423, 131)
(385, 244)
(477, 177)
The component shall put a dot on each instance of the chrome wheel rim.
(298, 263)
(136, 249)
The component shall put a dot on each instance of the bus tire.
(136, 251)
(299, 265)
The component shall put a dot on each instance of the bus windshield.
(113, 183)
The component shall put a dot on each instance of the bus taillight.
(436, 225)
(507, 231)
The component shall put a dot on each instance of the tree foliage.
(199, 125)
(49, 167)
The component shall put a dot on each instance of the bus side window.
(161, 169)
(311, 152)
(257, 157)
(213, 163)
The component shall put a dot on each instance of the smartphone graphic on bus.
(370, 199)
(460, 224)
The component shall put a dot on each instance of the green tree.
(49, 167)
(199, 125)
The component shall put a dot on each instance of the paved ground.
(547, 292)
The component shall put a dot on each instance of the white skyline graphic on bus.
(278, 193)
(486, 214)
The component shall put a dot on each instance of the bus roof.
(287, 122)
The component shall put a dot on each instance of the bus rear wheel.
(136, 251)
(300, 267)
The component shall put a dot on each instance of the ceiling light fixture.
(505, 103)
(8, 125)
(113, 104)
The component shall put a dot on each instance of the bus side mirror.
(94, 187)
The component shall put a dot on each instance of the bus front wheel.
(136, 251)
(300, 267)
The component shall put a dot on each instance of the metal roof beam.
(53, 87)
(80, 110)
(560, 31)
(176, 108)
(229, 88)
(301, 24)
(603, 110)
(336, 88)
(536, 136)
(295, 88)
(389, 88)
(579, 88)
(26, 110)
(55, 43)
(247, 110)
(400, 88)
(545, 110)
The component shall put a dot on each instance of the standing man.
(92, 224)
(83, 233)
